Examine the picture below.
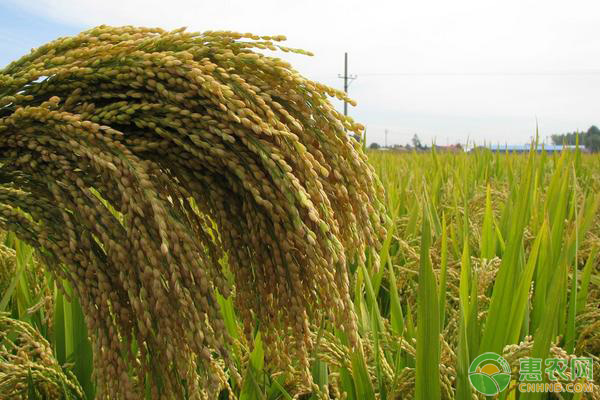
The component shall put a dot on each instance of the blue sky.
(448, 71)
(22, 30)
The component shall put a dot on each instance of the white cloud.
(511, 36)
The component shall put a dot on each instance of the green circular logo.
(489, 374)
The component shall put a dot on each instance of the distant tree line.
(589, 139)
(416, 144)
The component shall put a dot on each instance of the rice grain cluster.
(28, 369)
(156, 171)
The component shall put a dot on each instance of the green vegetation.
(484, 252)
(158, 173)
(185, 217)
(590, 138)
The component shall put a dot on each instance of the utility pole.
(386, 132)
(347, 81)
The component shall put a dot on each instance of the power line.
(487, 73)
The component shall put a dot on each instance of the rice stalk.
(137, 161)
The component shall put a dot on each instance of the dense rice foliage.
(156, 171)
(513, 241)
(481, 251)
(466, 213)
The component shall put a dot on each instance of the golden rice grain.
(140, 160)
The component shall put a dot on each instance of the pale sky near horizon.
(447, 71)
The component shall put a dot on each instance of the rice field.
(185, 217)
(483, 252)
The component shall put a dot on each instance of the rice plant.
(186, 217)
(136, 161)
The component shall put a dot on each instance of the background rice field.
(484, 252)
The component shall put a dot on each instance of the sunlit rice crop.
(28, 368)
(140, 162)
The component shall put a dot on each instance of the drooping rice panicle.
(135, 160)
